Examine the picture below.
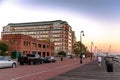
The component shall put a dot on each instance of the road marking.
(42, 72)
(74, 78)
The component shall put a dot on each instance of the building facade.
(59, 32)
(26, 44)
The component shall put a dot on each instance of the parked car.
(6, 62)
(49, 59)
(30, 59)
(116, 58)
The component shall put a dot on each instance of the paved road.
(91, 71)
(41, 71)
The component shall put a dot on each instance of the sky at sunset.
(99, 19)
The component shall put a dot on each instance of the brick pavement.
(69, 64)
(91, 71)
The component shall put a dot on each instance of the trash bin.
(109, 67)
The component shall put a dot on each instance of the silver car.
(6, 62)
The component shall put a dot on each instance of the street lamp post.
(95, 51)
(81, 34)
(91, 50)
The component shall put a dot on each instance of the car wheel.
(31, 62)
(41, 62)
(21, 63)
(13, 65)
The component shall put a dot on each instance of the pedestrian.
(99, 61)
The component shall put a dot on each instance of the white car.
(6, 62)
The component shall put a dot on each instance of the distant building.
(58, 31)
(26, 44)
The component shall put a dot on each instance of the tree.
(76, 48)
(3, 48)
(61, 53)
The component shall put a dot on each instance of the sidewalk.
(91, 71)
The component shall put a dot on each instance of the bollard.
(61, 58)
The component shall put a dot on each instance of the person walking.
(99, 61)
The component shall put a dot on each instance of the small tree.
(76, 48)
(61, 53)
(3, 48)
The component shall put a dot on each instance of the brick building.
(58, 31)
(26, 44)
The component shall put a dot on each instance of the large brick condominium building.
(26, 44)
(58, 31)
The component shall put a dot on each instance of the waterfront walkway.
(91, 71)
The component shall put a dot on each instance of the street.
(40, 71)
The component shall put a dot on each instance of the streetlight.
(91, 49)
(96, 50)
(81, 34)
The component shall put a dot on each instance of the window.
(44, 46)
(1, 58)
(47, 46)
(24, 43)
(34, 44)
(43, 54)
(47, 53)
(28, 43)
(39, 45)
(39, 53)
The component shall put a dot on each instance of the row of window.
(42, 54)
(39, 33)
(38, 27)
(32, 28)
(27, 43)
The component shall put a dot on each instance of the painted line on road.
(41, 72)
(74, 78)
